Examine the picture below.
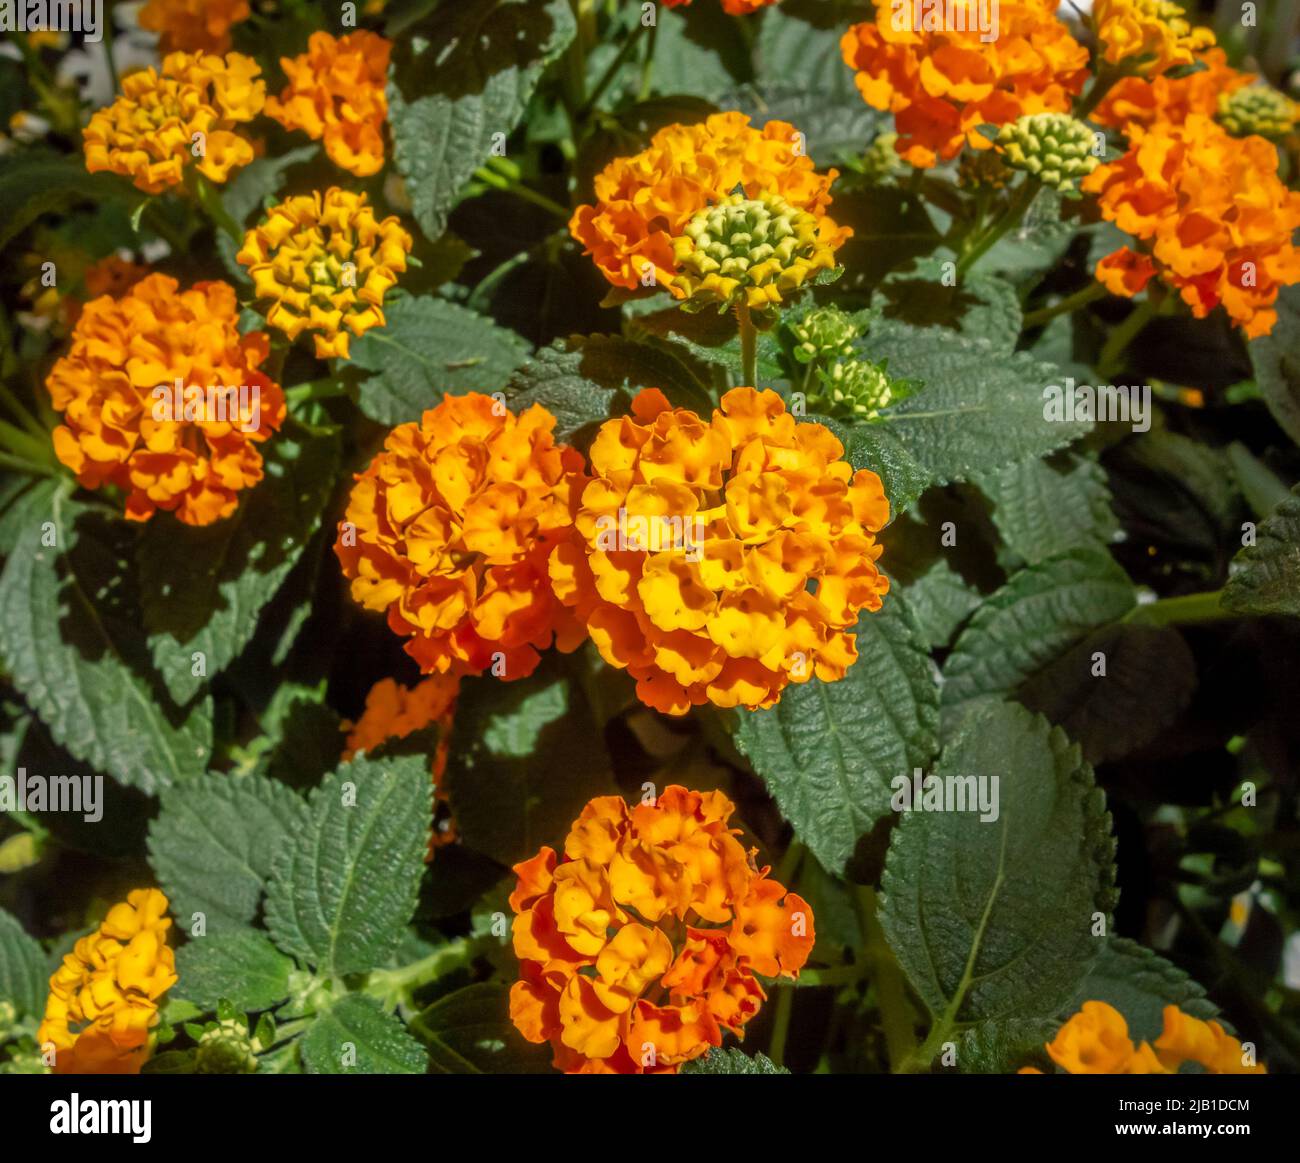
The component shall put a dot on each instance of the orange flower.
(336, 92)
(161, 122)
(449, 529)
(193, 25)
(1148, 36)
(1142, 101)
(1215, 219)
(730, 7)
(103, 998)
(644, 202)
(641, 945)
(161, 396)
(394, 712)
(718, 560)
(942, 85)
(1096, 1041)
(325, 263)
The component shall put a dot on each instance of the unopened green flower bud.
(881, 161)
(824, 334)
(749, 250)
(1257, 109)
(226, 1048)
(1053, 147)
(853, 388)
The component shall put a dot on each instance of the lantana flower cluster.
(941, 85)
(162, 119)
(125, 359)
(643, 941)
(1148, 36)
(193, 25)
(449, 529)
(103, 998)
(645, 202)
(1096, 1041)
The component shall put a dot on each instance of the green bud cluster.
(1257, 109)
(1053, 147)
(881, 162)
(853, 388)
(225, 1047)
(826, 333)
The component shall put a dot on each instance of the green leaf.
(1149, 681)
(1038, 615)
(835, 127)
(705, 340)
(890, 228)
(33, 183)
(982, 307)
(240, 966)
(980, 409)
(1046, 507)
(995, 919)
(202, 588)
(70, 638)
(732, 1061)
(828, 751)
(879, 448)
(356, 1036)
(430, 348)
(214, 842)
(525, 759)
(583, 381)
(1140, 983)
(1267, 580)
(1004, 1045)
(341, 895)
(470, 1032)
(799, 46)
(465, 77)
(698, 52)
(1276, 360)
(24, 968)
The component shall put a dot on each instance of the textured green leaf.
(940, 600)
(1149, 681)
(583, 381)
(342, 893)
(428, 348)
(890, 228)
(799, 45)
(703, 339)
(240, 966)
(979, 409)
(470, 1032)
(1038, 615)
(1003, 1045)
(1276, 360)
(828, 751)
(33, 183)
(981, 307)
(1140, 983)
(732, 1061)
(214, 843)
(466, 79)
(877, 447)
(24, 968)
(1046, 507)
(356, 1036)
(698, 52)
(202, 588)
(1268, 578)
(994, 919)
(70, 638)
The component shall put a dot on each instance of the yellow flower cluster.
(188, 112)
(336, 93)
(104, 996)
(1096, 1041)
(720, 559)
(449, 529)
(325, 263)
(1148, 36)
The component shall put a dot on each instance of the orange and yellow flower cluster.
(1096, 1041)
(645, 202)
(643, 943)
(123, 351)
(103, 998)
(1148, 36)
(1215, 220)
(720, 559)
(449, 530)
(193, 25)
(942, 84)
(188, 112)
(394, 711)
(325, 263)
(1144, 101)
(336, 93)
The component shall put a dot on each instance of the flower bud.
(1257, 109)
(1054, 148)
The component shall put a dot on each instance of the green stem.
(499, 182)
(648, 64)
(17, 407)
(607, 77)
(31, 468)
(1106, 78)
(1184, 610)
(25, 445)
(108, 50)
(210, 202)
(1020, 202)
(1116, 344)
(748, 346)
(393, 983)
(1081, 298)
(326, 389)
(781, 1023)
(895, 1016)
